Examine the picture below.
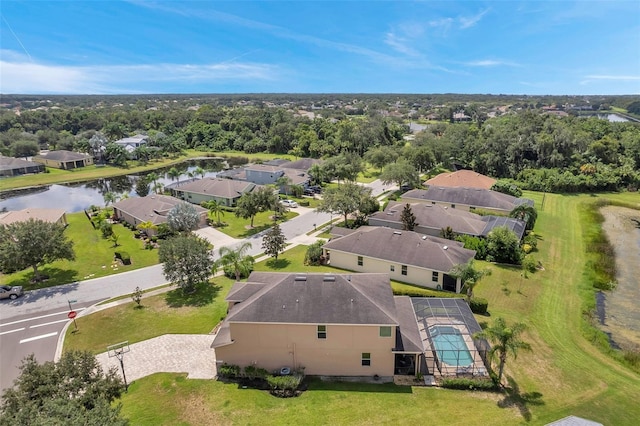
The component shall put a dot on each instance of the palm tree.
(284, 182)
(214, 209)
(199, 171)
(529, 214)
(153, 178)
(109, 197)
(469, 276)
(237, 259)
(147, 226)
(505, 340)
(174, 173)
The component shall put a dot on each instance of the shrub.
(314, 255)
(479, 305)
(531, 240)
(529, 264)
(252, 372)
(464, 383)
(526, 248)
(230, 272)
(474, 243)
(229, 371)
(124, 257)
(284, 385)
(304, 203)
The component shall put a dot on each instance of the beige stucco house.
(225, 192)
(339, 325)
(405, 255)
(466, 198)
(65, 160)
(153, 208)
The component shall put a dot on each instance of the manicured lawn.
(237, 227)
(94, 256)
(170, 312)
(564, 374)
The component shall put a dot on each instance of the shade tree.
(186, 261)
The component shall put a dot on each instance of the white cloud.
(400, 44)
(468, 22)
(491, 63)
(614, 77)
(19, 75)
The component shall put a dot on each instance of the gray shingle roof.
(215, 187)
(403, 247)
(153, 208)
(10, 163)
(407, 335)
(316, 299)
(63, 155)
(439, 217)
(482, 198)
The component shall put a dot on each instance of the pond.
(622, 312)
(75, 197)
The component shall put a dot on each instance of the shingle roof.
(407, 334)
(10, 163)
(316, 299)
(133, 139)
(465, 178)
(403, 247)
(216, 187)
(153, 208)
(482, 198)
(63, 155)
(435, 216)
(302, 164)
(46, 215)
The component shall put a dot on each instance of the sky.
(541, 47)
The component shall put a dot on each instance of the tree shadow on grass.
(255, 230)
(278, 263)
(522, 401)
(315, 384)
(56, 276)
(203, 295)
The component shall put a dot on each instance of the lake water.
(622, 312)
(612, 117)
(75, 197)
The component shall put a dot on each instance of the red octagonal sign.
(72, 314)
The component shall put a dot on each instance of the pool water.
(450, 346)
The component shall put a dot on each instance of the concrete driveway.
(215, 237)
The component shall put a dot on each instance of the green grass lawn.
(94, 256)
(564, 374)
(170, 312)
(237, 227)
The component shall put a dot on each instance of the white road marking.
(48, 323)
(41, 316)
(43, 336)
(11, 331)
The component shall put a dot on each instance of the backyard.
(564, 374)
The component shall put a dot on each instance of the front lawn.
(237, 227)
(166, 313)
(94, 256)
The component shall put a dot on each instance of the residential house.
(225, 192)
(433, 218)
(46, 215)
(10, 166)
(463, 178)
(406, 256)
(264, 174)
(342, 325)
(66, 160)
(153, 208)
(466, 198)
(131, 143)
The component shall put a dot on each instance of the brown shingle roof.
(46, 215)
(10, 163)
(466, 178)
(298, 298)
(403, 247)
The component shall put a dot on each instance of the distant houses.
(131, 143)
(433, 218)
(466, 198)
(66, 160)
(10, 166)
(46, 215)
(462, 178)
(405, 255)
(272, 172)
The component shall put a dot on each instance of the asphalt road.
(32, 323)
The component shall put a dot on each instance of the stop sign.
(72, 314)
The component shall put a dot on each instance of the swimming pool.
(450, 346)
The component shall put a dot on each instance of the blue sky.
(497, 47)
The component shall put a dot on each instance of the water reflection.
(75, 197)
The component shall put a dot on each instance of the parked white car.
(289, 203)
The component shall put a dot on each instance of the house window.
(404, 270)
(322, 332)
(366, 359)
(392, 268)
(385, 331)
(453, 206)
(434, 277)
(360, 261)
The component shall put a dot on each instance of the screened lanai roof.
(452, 311)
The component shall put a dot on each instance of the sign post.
(72, 315)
